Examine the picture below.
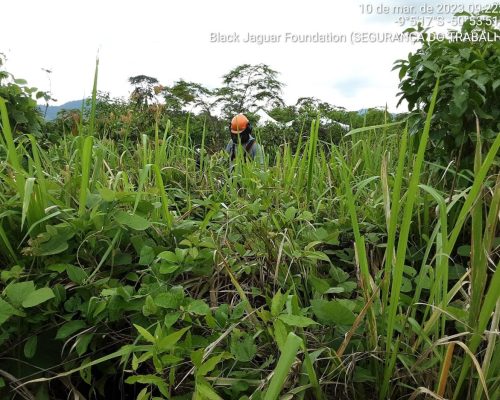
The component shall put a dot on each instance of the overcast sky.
(172, 39)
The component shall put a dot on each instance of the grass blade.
(85, 167)
(403, 243)
(290, 349)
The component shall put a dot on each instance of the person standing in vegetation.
(241, 137)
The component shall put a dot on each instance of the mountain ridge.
(50, 112)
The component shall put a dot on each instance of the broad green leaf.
(290, 213)
(409, 271)
(69, 328)
(239, 310)
(86, 371)
(149, 307)
(424, 280)
(280, 333)
(17, 292)
(347, 286)
(349, 304)
(338, 274)
(317, 255)
(243, 350)
(198, 307)
(148, 353)
(76, 274)
(107, 194)
(145, 334)
(147, 255)
(464, 250)
(329, 236)
(171, 299)
(456, 271)
(496, 84)
(55, 245)
(135, 362)
(406, 285)
(6, 311)
(168, 342)
(306, 216)
(205, 392)
(143, 394)
(332, 312)
(431, 65)
(167, 268)
(168, 256)
(170, 359)
(320, 285)
(465, 53)
(171, 319)
(197, 357)
(133, 221)
(83, 343)
(278, 303)
(210, 364)
(181, 254)
(123, 259)
(221, 314)
(297, 320)
(58, 267)
(37, 297)
(30, 346)
(14, 273)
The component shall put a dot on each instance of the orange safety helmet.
(239, 123)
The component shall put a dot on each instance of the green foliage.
(21, 100)
(248, 87)
(332, 312)
(144, 90)
(184, 95)
(131, 269)
(470, 88)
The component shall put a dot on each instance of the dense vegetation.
(135, 267)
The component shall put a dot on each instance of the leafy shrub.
(469, 88)
(21, 100)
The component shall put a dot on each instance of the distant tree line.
(246, 88)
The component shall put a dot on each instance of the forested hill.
(50, 112)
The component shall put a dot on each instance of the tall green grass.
(279, 228)
(397, 271)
